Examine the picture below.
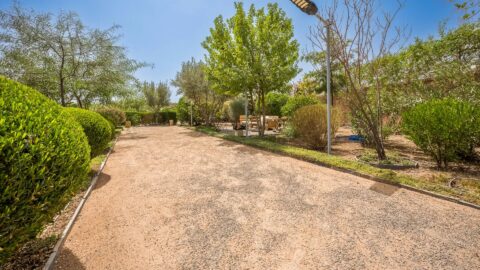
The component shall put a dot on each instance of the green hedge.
(296, 102)
(148, 118)
(98, 129)
(114, 115)
(44, 159)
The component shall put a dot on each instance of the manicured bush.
(97, 128)
(148, 118)
(166, 116)
(44, 159)
(274, 102)
(134, 117)
(183, 112)
(296, 102)
(443, 128)
(310, 125)
(114, 115)
(236, 108)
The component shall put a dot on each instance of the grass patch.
(393, 158)
(384, 175)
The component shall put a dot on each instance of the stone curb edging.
(355, 173)
(56, 250)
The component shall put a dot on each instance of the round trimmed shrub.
(114, 115)
(310, 125)
(97, 128)
(44, 159)
(444, 129)
(296, 102)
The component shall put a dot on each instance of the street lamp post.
(310, 8)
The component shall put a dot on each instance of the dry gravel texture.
(171, 198)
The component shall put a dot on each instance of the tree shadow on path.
(68, 260)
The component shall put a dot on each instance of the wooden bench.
(252, 121)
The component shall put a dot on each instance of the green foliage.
(470, 8)
(156, 96)
(183, 112)
(310, 125)
(274, 102)
(394, 158)
(167, 115)
(236, 108)
(44, 159)
(114, 115)
(296, 102)
(192, 83)
(63, 58)
(98, 129)
(443, 128)
(148, 118)
(253, 52)
(134, 117)
(316, 81)
(435, 69)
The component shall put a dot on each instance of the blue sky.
(167, 32)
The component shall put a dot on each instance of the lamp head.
(306, 6)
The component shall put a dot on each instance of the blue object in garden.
(356, 138)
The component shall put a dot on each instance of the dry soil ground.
(171, 198)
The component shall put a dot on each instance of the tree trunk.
(62, 79)
(62, 89)
(79, 101)
(262, 101)
(379, 145)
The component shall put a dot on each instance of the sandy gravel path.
(171, 198)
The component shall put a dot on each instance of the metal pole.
(329, 93)
(246, 114)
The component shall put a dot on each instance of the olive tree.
(62, 58)
(192, 83)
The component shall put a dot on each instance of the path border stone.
(56, 250)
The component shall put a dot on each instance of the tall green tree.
(315, 81)
(192, 83)
(445, 67)
(62, 58)
(253, 52)
(157, 96)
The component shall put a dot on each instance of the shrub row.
(148, 118)
(44, 159)
(98, 129)
(114, 115)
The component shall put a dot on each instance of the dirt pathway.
(171, 198)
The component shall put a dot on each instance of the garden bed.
(394, 161)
